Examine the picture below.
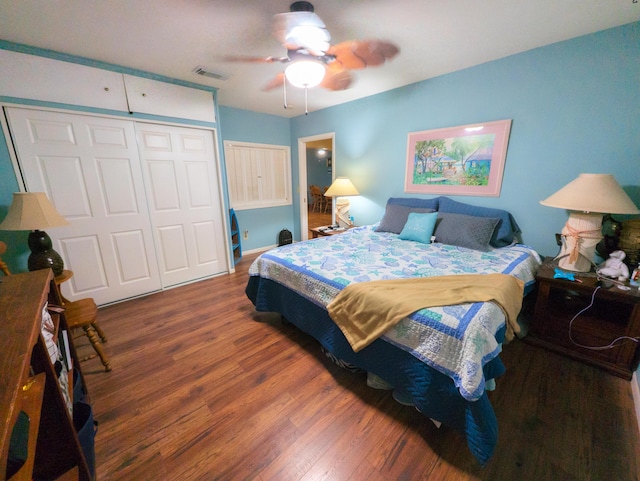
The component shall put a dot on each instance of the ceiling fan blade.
(249, 59)
(275, 82)
(359, 54)
(336, 77)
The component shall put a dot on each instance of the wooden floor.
(204, 388)
(318, 219)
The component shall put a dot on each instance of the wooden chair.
(313, 191)
(319, 201)
(83, 313)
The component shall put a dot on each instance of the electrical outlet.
(559, 239)
(245, 234)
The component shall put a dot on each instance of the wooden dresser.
(29, 384)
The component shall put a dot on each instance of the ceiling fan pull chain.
(306, 109)
(284, 88)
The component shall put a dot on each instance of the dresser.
(36, 394)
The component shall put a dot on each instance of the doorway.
(316, 161)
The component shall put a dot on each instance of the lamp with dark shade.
(342, 187)
(33, 211)
(588, 197)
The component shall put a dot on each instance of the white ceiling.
(172, 37)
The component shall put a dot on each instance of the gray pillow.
(465, 230)
(507, 230)
(395, 217)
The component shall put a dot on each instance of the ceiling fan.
(311, 59)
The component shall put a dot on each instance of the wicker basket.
(629, 241)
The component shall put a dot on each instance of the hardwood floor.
(318, 219)
(205, 388)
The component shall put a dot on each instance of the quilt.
(457, 341)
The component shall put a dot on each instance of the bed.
(443, 358)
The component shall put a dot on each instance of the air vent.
(200, 70)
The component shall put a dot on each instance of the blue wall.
(245, 126)
(574, 106)
(318, 173)
(17, 250)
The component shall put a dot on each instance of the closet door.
(90, 169)
(181, 178)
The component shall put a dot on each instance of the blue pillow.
(415, 202)
(504, 234)
(419, 227)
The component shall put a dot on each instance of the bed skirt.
(434, 394)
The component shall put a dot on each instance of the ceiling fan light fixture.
(310, 37)
(305, 73)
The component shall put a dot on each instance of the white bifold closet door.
(142, 216)
(184, 201)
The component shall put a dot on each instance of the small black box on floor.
(284, 237)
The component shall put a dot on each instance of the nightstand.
(326, 231)
(614, 313)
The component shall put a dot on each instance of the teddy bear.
(614, 267)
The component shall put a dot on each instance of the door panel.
(83, 252)
(132, 267)
(182, 185)
(90, 169)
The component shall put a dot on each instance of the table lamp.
(342, 187)
(33, 211)
(588, 197)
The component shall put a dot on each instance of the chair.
(319, 201)
(83, 313)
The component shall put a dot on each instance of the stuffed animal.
(614, 267)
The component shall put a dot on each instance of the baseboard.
(635, 390)
(259, 249)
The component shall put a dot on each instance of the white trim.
(635, 390)
(239, 169)
(259, 249)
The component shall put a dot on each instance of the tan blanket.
(365, 310)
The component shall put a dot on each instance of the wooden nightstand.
(615, 313)
(326, 231)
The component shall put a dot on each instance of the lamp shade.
(33, 211)
(341, 187)
(593, 193)
(30, 211)
(305, 73)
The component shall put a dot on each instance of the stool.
(83, 313)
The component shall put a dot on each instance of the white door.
(90, 169)
(183, 194)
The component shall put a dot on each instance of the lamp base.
(43, 256)
(342, 212)
(580, 236)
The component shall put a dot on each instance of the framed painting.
(464, 160)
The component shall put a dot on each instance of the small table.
(615, 313)
(327, 230)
